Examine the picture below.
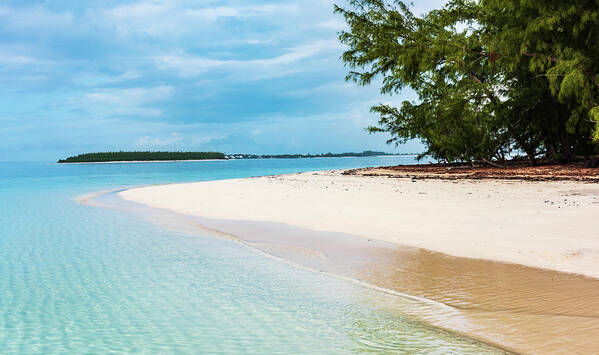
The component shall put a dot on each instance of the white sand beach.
(548, 225)
(553, 225)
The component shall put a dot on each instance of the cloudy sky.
(226, 75)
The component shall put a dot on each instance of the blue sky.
(231, 76)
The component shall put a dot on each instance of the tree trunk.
(551, 150)
(532, 158)
(527, 149)
(529, 152)
(566, 154)
(492, 163)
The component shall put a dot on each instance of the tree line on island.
(173, 156)
(141, 156)
(494, 78)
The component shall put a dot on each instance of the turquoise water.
(79, 279)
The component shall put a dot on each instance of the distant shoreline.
(197, 160)
(133, 157)
(138, 161)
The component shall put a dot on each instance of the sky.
(259, 77)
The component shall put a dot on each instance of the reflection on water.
(520, 308)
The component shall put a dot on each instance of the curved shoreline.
(525, 324)
(426, 311)
(549, 225)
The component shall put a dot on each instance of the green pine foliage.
(141, 156)
(493, 77)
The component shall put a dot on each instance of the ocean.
(83, 279)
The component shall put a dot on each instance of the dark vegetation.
(152, 156)
(141, 156)
(495, 79)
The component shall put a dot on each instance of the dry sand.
(552, 225)
(364, 228)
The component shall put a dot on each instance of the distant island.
(141, 156)
(169, 156)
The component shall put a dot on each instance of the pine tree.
(492, 76)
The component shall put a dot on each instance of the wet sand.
(519, 308)
(552, 225)
(515, 307)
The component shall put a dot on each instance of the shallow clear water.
(75, 278)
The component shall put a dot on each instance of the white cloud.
(189, 66)
(102, 73)
(34, 18)
(333, 24)
(335, 87)
(206, 139)
(130, 102)
(147, 141)
(259, 41)
(93, 79)
(176, 17)
(138, 18)
(213, 14)
(15, 59)
(298, 53)
(131, 96)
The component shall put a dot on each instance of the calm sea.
(80, 279)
